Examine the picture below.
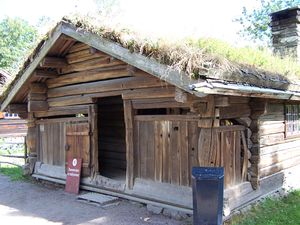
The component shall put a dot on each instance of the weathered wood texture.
(13, 127)
(112, 145)
(51, 143)
(78, 145)
(224, 147)
(166, 150)
(276, 152)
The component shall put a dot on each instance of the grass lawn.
(14, 172)
(283, 211)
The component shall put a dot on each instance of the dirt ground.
(34, 203)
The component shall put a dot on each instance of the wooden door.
(78, 144)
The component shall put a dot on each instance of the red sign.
(73, 175)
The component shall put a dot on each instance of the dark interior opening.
(112, 144)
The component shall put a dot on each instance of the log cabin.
(140, 123)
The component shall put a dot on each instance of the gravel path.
(30, 203)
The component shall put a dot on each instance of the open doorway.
(112, 143)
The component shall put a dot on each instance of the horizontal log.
(91, 64)
(222, 101)
(45, 74)
(271, 129)
(37, 106)
(166, 117)
(277, 157)
(62, 120)
(53, 62)
(39, 88)
(275, 109)
(271, 139)
(105, 86)
(285, 145)
(78, 47)
(238, 100)
(17, 108)
(64, 110)
(269, 118)
(156, 92)
(235, 111)
(280, 166)
(70, 100)
(87, 76)
(83, 55)
(37, 96)
(157, 103)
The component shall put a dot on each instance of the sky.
(168, 18)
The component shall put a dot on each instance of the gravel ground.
(31, 203)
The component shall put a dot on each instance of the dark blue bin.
(208, 191)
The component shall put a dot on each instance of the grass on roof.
(195, 57)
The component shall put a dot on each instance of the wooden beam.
(37, 106)
(45, 74)
(70, 100)
(39, 88)
(53, 62)
(157, 103)
(37, 96)
(93, 121)
(17, 108)
(87, 76)
(156, 92)
(91, 64)
(128, 116)
(106, 85)
(64, 110)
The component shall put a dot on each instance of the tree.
(255, 23)
(16, 38)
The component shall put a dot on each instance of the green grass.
(14, 172)
(283, 211)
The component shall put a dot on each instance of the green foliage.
(255, 23)
(16, 38)
(273, 212)
(14, 172)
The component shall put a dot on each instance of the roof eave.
(27, 73)
(243, 90)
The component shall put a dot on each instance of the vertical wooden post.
(128, 116)
(31, 141)
(93, 120)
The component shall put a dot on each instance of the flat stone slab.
(100, 199)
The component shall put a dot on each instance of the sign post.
(73, 175)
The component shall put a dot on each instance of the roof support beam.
(45, 74)
(53, 62)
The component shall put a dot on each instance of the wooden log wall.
(276, 152)
(85, 75)
(111, 128)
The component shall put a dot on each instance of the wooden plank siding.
(276, 152)
(166, 150)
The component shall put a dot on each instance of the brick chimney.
(285, 27)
